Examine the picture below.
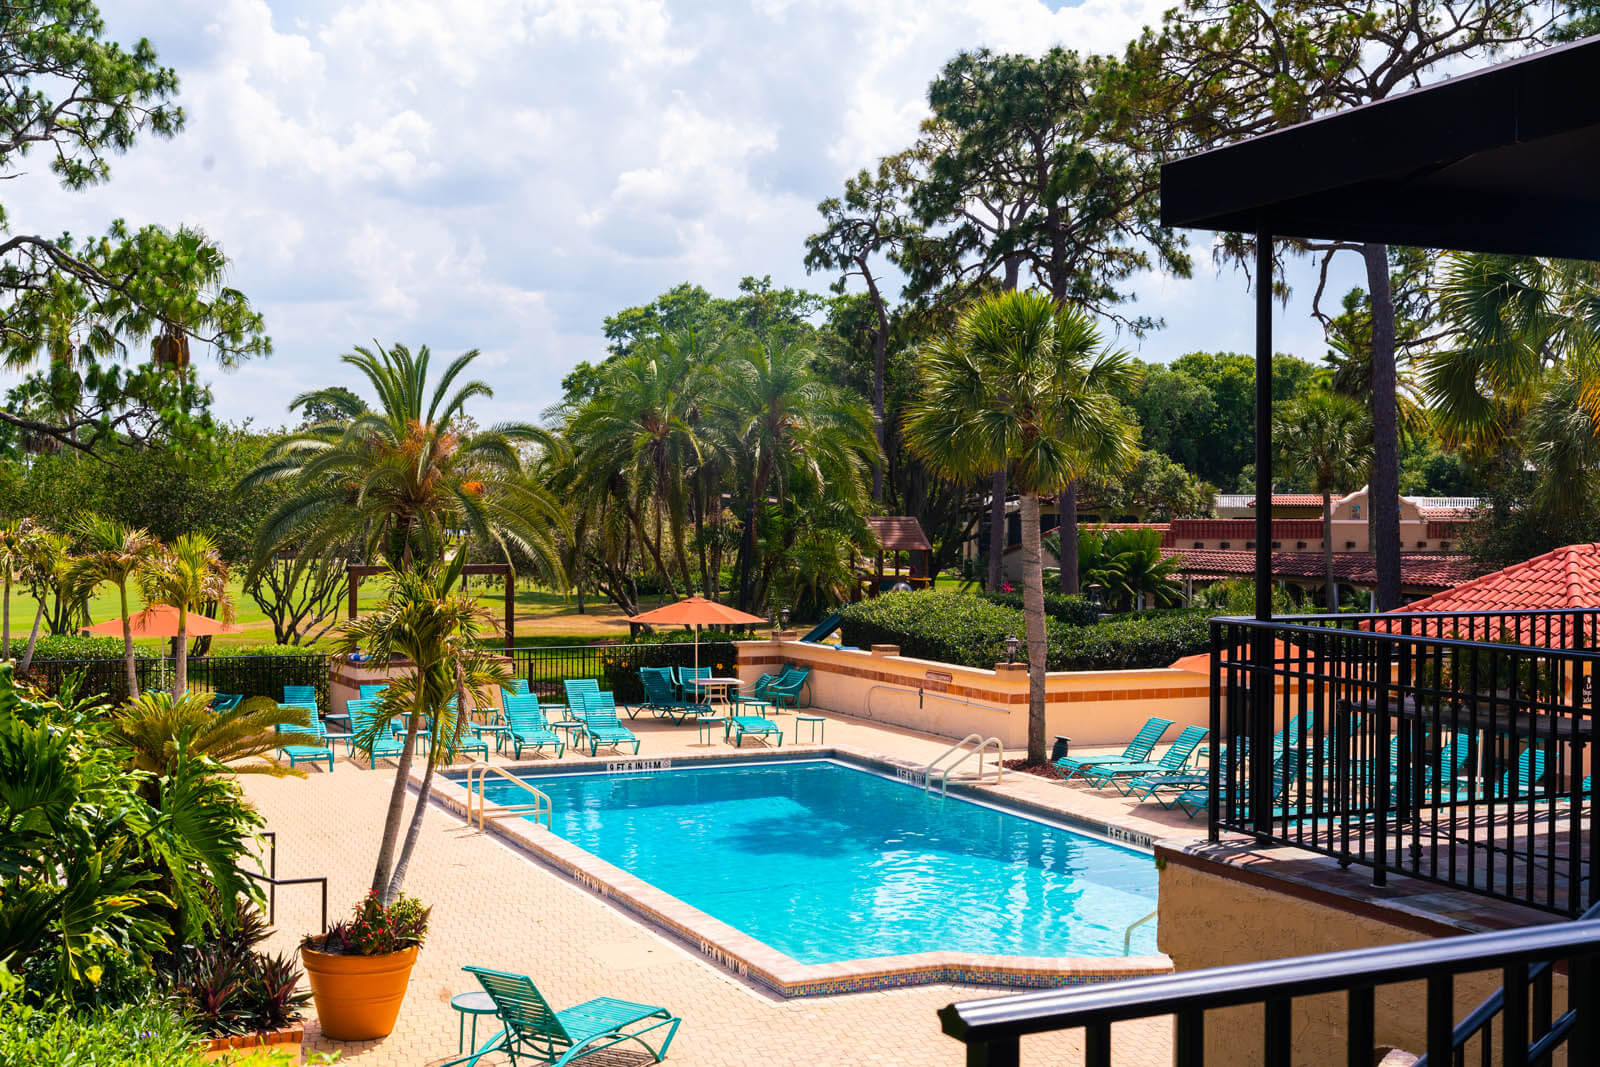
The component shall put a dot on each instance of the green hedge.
(67, 646)
(1072, 610)
(971, 630)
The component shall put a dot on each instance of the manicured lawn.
(544, 616)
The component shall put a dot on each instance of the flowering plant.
(376, 928)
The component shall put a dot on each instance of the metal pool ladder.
(944, 772)
(540, 809)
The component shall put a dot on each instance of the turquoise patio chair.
(691, 693)
(787, 688)
(601, 726)
(755, 726)
(1137, 750)
(536, 1033)
(1518, 783)
(528, 726)
(1285, 769)
(373, 691)
(658, 697)
(306, 753)
(363, 720)
(517, 688)
(1173, 761)
(226, 701)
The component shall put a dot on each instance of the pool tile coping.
(754, 960)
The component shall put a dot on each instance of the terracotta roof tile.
(1293, 500)
(1567, 577)
(1418, 570)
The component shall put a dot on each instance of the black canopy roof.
(1506, 159)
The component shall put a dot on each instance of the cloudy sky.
(501, 174)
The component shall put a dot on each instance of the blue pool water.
(825, 862)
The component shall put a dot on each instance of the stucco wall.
(1209, 920)
(1091, 707)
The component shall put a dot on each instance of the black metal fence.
(1529, 1030)
(1448, 747)
(616, 666)
(263, 675)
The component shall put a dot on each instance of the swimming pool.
(827, 862)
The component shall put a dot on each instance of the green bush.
(949, 627)
(971, 630)
(68, 646)
(137, 1035)
(1072, 610)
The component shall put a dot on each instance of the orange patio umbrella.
(697, 611)
(161, 620)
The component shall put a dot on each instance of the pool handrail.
(966, 754)
(1127, 935)
(541, 808)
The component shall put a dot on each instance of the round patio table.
(473, 1004)
(716, 689)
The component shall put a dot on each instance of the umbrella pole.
(697, 647)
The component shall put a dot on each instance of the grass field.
(543, 616)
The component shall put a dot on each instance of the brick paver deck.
(494, 906)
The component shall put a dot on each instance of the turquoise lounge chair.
(373, 692)
(1521, 783)
(601, 726)
(1285, 768)
(363, 714)
(536, 1033)
(1153, 786)
(575, 688)
(755, 726)
(657, 682)
(1173, 761)
(226, 701)
(296, 754)
(528, 726)
(300, 694)
(1138, 750)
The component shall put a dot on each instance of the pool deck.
(495, 905)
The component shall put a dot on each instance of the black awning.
(1506, 159)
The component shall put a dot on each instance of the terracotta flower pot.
(358, 997)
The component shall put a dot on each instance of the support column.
(1261, 682)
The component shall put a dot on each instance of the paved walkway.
(496, 907)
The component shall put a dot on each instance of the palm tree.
(1023, 385)
(188, 575)
(159, 731)
(116, 553)
(1128, 567)
(791, 423)
(1325, 440)
(428, 621)
(644, 424)
(402, 476)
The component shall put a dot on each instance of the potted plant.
(360, 968)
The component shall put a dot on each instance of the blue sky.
(501, 174)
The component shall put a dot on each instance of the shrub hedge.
(971, 630)
(619, 664)
(1072, 610)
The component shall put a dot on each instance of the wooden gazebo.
(897, 534)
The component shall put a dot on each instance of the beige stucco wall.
(1209, 920)
(1091, 707)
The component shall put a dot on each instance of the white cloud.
(501, 174)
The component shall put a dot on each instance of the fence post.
(1379, 763)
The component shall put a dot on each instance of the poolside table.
(498, 729)
(708, 723)
(716, 689)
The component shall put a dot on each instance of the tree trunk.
(997, 530)
(1033, 615)
(880, 361)
(5, 637)
(1384, 489)
(747, 546)
(1327, 549)
(1067, 514)
(425, 791)
(127, 642)
(397, 805)
(180, 651)
(33, 635)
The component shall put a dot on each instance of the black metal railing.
(1529, 1033)
(270, 879)
(1448, 747)
(249, 675)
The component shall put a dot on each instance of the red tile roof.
(1293, 500)
(1565, 578)
(1418, 570)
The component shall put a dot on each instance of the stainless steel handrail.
(541, 808)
